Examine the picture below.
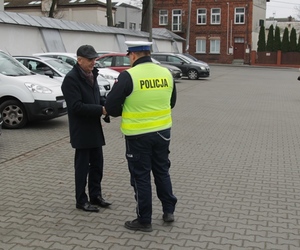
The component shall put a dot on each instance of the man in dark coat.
(85, 107)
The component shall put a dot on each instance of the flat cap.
(87, 51)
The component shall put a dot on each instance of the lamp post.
(150, 19)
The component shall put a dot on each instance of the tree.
(52, 8)
(285, 45)
(293, 40)
(261, 44)
(146, 15)
(109, 15)
(270, 40)
(277, 40)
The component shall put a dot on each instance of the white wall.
(259, 13)
(84, 15)
(129, 15)
(20, 40)
(26, 40)
(164, 46)
(73, 40)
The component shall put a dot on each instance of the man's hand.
(104, 111)
(106, 118)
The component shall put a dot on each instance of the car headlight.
(35, 88)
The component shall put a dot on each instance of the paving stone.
(235, 171)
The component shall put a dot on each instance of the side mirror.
(49, 73)
(298, 78)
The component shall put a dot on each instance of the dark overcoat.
(84, 106)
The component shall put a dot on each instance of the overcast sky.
(282, 8)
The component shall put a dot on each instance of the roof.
(125, 5)
(31, 3)
(60, 24)
(167, 33)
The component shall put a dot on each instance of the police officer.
(144, 95)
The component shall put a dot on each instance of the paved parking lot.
(235, 155)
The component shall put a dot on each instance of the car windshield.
(11, 67)
(190, 56)
(186, 59)
(60, 66)
(99, 65)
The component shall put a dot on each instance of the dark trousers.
(146, 153)
(88, 165)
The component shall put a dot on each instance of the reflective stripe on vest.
(147, 108)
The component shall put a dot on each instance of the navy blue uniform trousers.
(146, 153)
(88, 166)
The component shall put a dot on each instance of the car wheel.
(13, 114)
(192, 74)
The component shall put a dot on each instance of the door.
(239, 48)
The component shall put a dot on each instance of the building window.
(132, 26)
(176, 20)
(215, 46)
(163, 17)
(200, 45)
(239, 16)
(215, 16)
(121, 25)
(239, 40)
(201, 16)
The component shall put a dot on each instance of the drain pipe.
(227, 37)
(187, 47)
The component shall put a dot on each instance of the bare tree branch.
(52, 8)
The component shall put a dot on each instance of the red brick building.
(218, 31)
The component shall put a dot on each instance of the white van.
(25, 96)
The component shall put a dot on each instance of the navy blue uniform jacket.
(84, 109)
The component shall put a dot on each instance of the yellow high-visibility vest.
(147, 109)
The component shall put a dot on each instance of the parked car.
(175, 71)
(193, 70)
(190, 56)
(71, 58)
(57, 69)
(121, 62)
(26, 96)
(104, 52)
(51, 67)
(115, 61)
(193, 58)
(109, 74)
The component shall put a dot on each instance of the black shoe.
(99, 201)
(87, 207)
(136, 225)
(168, 217)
